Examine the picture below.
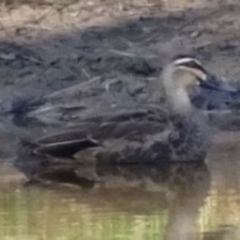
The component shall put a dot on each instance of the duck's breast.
(188, 139)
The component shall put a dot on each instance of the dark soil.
(48, 46)
(36, 61)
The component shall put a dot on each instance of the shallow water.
(168, 202)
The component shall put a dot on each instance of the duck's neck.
(177, 95)
(180, 103)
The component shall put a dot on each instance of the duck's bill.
(215, 84)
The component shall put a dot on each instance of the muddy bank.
(43, 49)
(36, 61)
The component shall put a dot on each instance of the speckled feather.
(146, 135)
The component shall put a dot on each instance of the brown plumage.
(144, 136)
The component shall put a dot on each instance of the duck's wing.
(129, 128)
(65, 149)
(131, 138)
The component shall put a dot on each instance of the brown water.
(170, 202)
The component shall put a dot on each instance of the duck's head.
(183, 73)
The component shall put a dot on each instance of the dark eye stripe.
(189, 63)
(193, 64)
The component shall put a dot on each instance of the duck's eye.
(200, 80)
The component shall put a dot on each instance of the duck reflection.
(184, 186)
(179, 190)
(192, 187)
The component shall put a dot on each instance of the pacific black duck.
(141, 136)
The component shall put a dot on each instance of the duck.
(147, 135)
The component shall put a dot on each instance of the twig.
(121, 53)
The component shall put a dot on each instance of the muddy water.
(200, 201)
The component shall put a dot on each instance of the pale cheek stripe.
(195, 72)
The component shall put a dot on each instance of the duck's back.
(133, 138)
(127, 138)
